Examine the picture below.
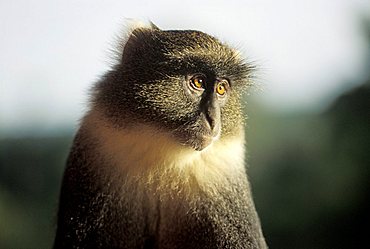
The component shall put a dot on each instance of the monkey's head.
(183, 82)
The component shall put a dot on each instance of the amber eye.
(221, 87)
(198, 82)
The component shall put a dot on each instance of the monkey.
(158, 159)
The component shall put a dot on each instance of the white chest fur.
(156, 157)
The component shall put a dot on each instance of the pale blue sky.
(52, 51)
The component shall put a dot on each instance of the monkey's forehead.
(186, 38)
(180, 42)
(194, 50)
(178, 52)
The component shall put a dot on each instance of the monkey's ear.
(135, 42)
(135, 39)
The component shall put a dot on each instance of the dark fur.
(145, 83)
(100, 208)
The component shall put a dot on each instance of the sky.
(51, 52)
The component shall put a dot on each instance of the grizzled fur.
(166, 57)
(133, 178)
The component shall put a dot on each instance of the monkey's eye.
(221, 87)
(198, 82)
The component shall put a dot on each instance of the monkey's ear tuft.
(153, 26)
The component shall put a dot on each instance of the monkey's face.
(189, 106)
(208, 96)
(186, 83)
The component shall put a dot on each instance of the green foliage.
(310, 174)
(30, 175)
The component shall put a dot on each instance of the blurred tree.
(30, 174)
(311, 173)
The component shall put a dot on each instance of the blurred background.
(308, 124)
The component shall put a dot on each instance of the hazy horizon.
(52, 52)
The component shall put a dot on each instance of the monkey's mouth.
(196, 140)
(203, 140)
(199, 136)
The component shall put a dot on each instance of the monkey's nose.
(210, 120)
(211, 123)
(210, 111)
